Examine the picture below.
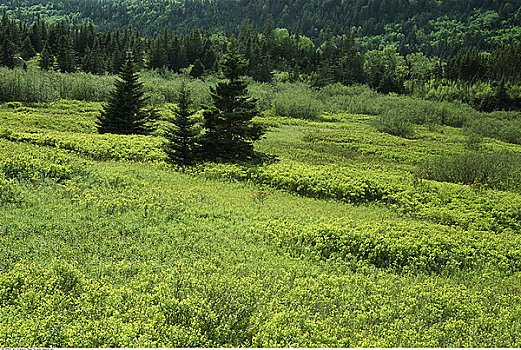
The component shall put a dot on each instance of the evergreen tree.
(158, 54)
(7, 52)
(501, 98)
(91, 61)
(46, 60)
(27, 51)
(230, 132)
(197, 69)
(37, 34)
(125, 111)
(7, 43)
(182, 135)
(65, 57)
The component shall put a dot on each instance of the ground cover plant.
(349, 236)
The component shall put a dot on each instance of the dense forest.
(487, 77)
(434, 27)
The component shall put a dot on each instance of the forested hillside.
(434, 27)
(487, 80)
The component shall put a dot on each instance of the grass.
(338, 244)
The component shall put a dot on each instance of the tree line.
(272, 53)
(311, 17)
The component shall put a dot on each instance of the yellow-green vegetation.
(342, 241)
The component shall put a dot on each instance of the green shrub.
(297, 101)
(511, 132)
(398, 244)
(395, 122)
(162, 87)
(99, 147)
(263, 93)
(9, 193)
(500, 171)
(34, 85)
(496, 126)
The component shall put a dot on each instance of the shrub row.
(399, 244)
(495, 170)
(444, 203)
(95, 146)
(34, 168)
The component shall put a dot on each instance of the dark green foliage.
(125, 111)
(197, 69)
(65, 56)
(182, 134)
(388, 84)
(467, 65)
(440, 27)
(92, 59)
(230, 132)
(388, 63)
(27, 50)
(46, 60)
(498, 100)
(7, 52)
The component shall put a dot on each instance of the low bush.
(98, 147)
(34, 85)
(395, 122)
(9, 193)
(499, 171)
(399, 244)
(296, 101)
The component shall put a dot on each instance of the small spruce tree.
(125, 111)
(197, 69)
(501, 99)
(65, 57)
(182, 134)
(46, 60)
(229, 130)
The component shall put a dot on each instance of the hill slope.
(411, 24)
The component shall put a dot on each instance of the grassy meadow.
(380, 221)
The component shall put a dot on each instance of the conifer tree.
(92, 61)
(229, 131)
(197, 69)
(501, 99)
(65, 57)
(7, 44)
(125, 111)
(46, 60)
(7, 52)
(182, 135)
(27, 50)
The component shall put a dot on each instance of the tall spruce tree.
(65, 57)
(125, 111)
(46, 60)
(229, 130)
(182, 135)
